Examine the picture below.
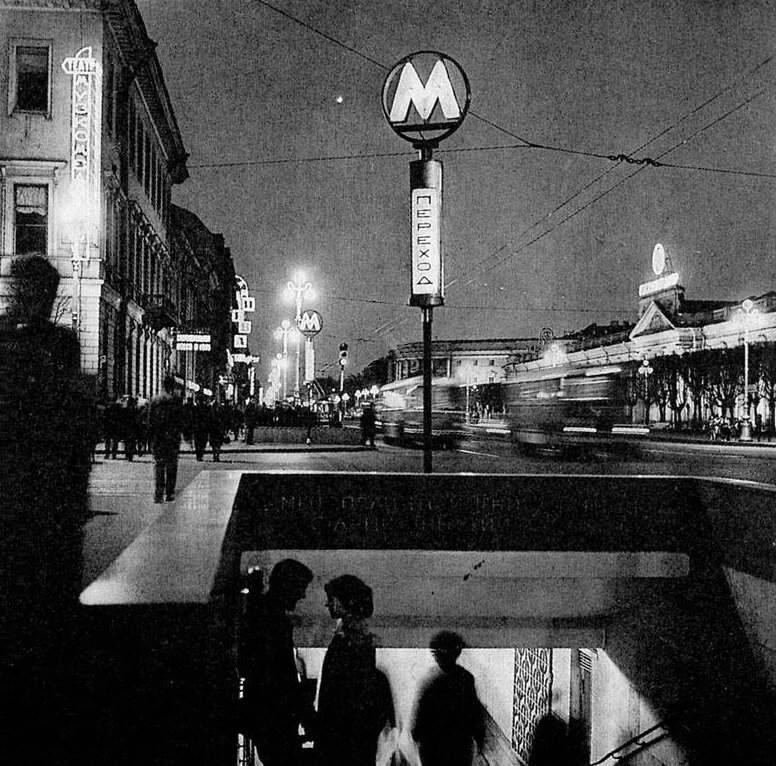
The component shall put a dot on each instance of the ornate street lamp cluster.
(298, 289)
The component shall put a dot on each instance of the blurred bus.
(569, 410)
(399, 411)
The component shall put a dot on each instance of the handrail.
(636, 742)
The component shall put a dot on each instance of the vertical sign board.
(427, 277)
(309, 361)
(310, 323)
(85, 121)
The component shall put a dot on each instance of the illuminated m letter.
(411, 90)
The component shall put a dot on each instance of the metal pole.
(297, 393)
(426, 173)
(428, 314)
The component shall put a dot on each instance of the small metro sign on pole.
(425, 99)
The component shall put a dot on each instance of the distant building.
(205, 299)
(89, 152)
(671, 326)
(472, 362)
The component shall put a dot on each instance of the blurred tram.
(568, 410)
(399, 411)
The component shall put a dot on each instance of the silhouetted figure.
(45, 412)
(112, 429)
(217, 427)
(250, 421)
(552, 744)
(368, 425)
(449, 720)
(274, 698)
(129, 428)
(200, 426)
(166, 424)
(354, 701)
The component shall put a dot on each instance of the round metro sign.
(310, 323)
(426, 97)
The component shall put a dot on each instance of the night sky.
(279, 105)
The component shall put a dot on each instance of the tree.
(766, 368)
(725, 379)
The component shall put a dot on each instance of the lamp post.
(281, 333)
(747, 310)
(79, 257)
(645, 370)
(299, 289)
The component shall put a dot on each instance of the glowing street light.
(747, 312)
(645, 370)
(299, 288)
(282, 333)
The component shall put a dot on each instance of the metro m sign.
(426, 97)
(309, 323)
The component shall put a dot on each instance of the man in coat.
(449, 718)
(166, 424)
(275, 704)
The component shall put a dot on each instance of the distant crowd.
(205, 422)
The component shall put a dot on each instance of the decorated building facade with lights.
(90, 150)
(688, 360)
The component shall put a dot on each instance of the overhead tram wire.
(618, 159)
(389, 326)
(655, 163)
(527, 143)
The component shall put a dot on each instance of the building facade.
(470, 362)
(687, 361)
(90, 150)
(205, 299)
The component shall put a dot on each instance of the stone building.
(674, 342)
(90, 150)
(471, 362)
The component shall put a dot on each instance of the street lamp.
(79, 257)
(282, 333)
(298, 288)
(645, 370)
(747, 311)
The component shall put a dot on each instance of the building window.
(30, 77)
(30, 211)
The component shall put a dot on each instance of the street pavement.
(121, 492)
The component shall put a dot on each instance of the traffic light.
(343, 351)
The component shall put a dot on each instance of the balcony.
(160, 311)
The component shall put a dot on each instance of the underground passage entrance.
(582, 599)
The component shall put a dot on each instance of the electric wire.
(619, 159)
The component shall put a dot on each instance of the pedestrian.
(47, 409)
(188, 420)
(353, 705)
(112, 428)
(216, 430)
(129, 428)
(448, 722)
(166, 423)
(274, 696)
(250, 421)
(368, 425)
(200, 425)
(141, 426)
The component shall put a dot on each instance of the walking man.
(449, 721)
(166, 423)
